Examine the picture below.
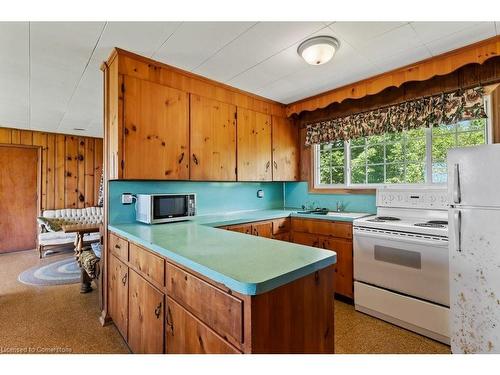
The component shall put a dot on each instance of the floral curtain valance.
(431, 111)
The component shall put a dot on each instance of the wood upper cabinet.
(213, 140)
(146, 316)
(285, 149)
(118, 294)
(254, 146)
(156, 131)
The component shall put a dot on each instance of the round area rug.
(59, 272)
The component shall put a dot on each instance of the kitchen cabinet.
(267, 229)
(329, 235)
(185, 333)
(263, 229)
(254, 152)
(156, 131)
(213, 140)
(285, 149)
(118, 294)
(243, 228)
(146, 316)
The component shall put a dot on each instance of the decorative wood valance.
(436, 66)
(447, 108)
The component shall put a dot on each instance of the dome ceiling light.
(318, 50)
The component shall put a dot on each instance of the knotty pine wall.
(71, 166)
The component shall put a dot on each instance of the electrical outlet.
(127, 198)
(260, 193)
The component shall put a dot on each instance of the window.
(416, 156)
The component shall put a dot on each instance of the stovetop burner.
(430, 225)
(441, 222)
(381, 219)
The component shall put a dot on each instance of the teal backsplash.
(297, 194)
(212, 197)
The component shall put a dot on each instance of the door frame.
(38, 172)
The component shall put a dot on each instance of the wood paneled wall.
(71, 166)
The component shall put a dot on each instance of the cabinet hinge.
(123, 87)
(236, 115)
(122, 164)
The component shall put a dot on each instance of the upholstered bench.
(51, 221)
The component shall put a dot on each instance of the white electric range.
(401, 261)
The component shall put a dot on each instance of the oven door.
(412, 264)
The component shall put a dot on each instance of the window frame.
(349, 186)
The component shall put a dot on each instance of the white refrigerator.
(474, 244)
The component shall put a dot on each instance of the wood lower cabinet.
(185, 333)
(156, 130)
(243, 228)
(269, 229)
(329, 235)
(118, 282)
(263, 229)
(146, 316)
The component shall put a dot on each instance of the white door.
(474, 280)
(474, 176)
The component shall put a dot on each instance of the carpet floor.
(60, 319)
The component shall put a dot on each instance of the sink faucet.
(340, 206)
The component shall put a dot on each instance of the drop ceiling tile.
(462, 38)
(257, 44)
(430, 31)
(359, 32)
(195, 42)
(405, 57)
(14, 74)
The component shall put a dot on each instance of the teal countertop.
(246, 264)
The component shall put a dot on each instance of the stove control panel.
(436, 199)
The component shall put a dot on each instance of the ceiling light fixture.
(318, 50)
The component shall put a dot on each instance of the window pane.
(337, 156)
(415, 149)
(439, 172)
(471, 139)
(395, 153)
(358, 142)
(478, 124)
(444, 129)
(358, 155)
(358, 174)
(415, 173)
(375, 174)
(324, 167)
(375, 139)
(337, 175)
(419, 132)
(441, 145)
(375, 154)
(394, 137)
(395, 173)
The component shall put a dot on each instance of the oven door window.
(169, 207)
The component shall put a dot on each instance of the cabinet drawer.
(148, 264)
(118, 246)
(217, 309)
(243, 228)
(281, 225)
(191, 335)
(305, 239)
(323, 227)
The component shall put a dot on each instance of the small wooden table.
(80, 230)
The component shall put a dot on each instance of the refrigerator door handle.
(456, 184)
(458, 230)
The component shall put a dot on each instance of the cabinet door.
(213, 140)
(185, 334)
(282, 237)
(156, 134)
(118, 294)
(305, 239)
(344, 283)
(285, 150)
(254, 146)
(243, 228)
(146, 316)
(262, 229)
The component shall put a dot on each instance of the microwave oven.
(165, 208)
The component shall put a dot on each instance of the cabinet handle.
(181, 158)
(117, 246)
(247, 231)
(195, 159)
(275, 165)
(124, 279)
(268, 164)
(158, 310)
(170, 323)
(255, 232)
